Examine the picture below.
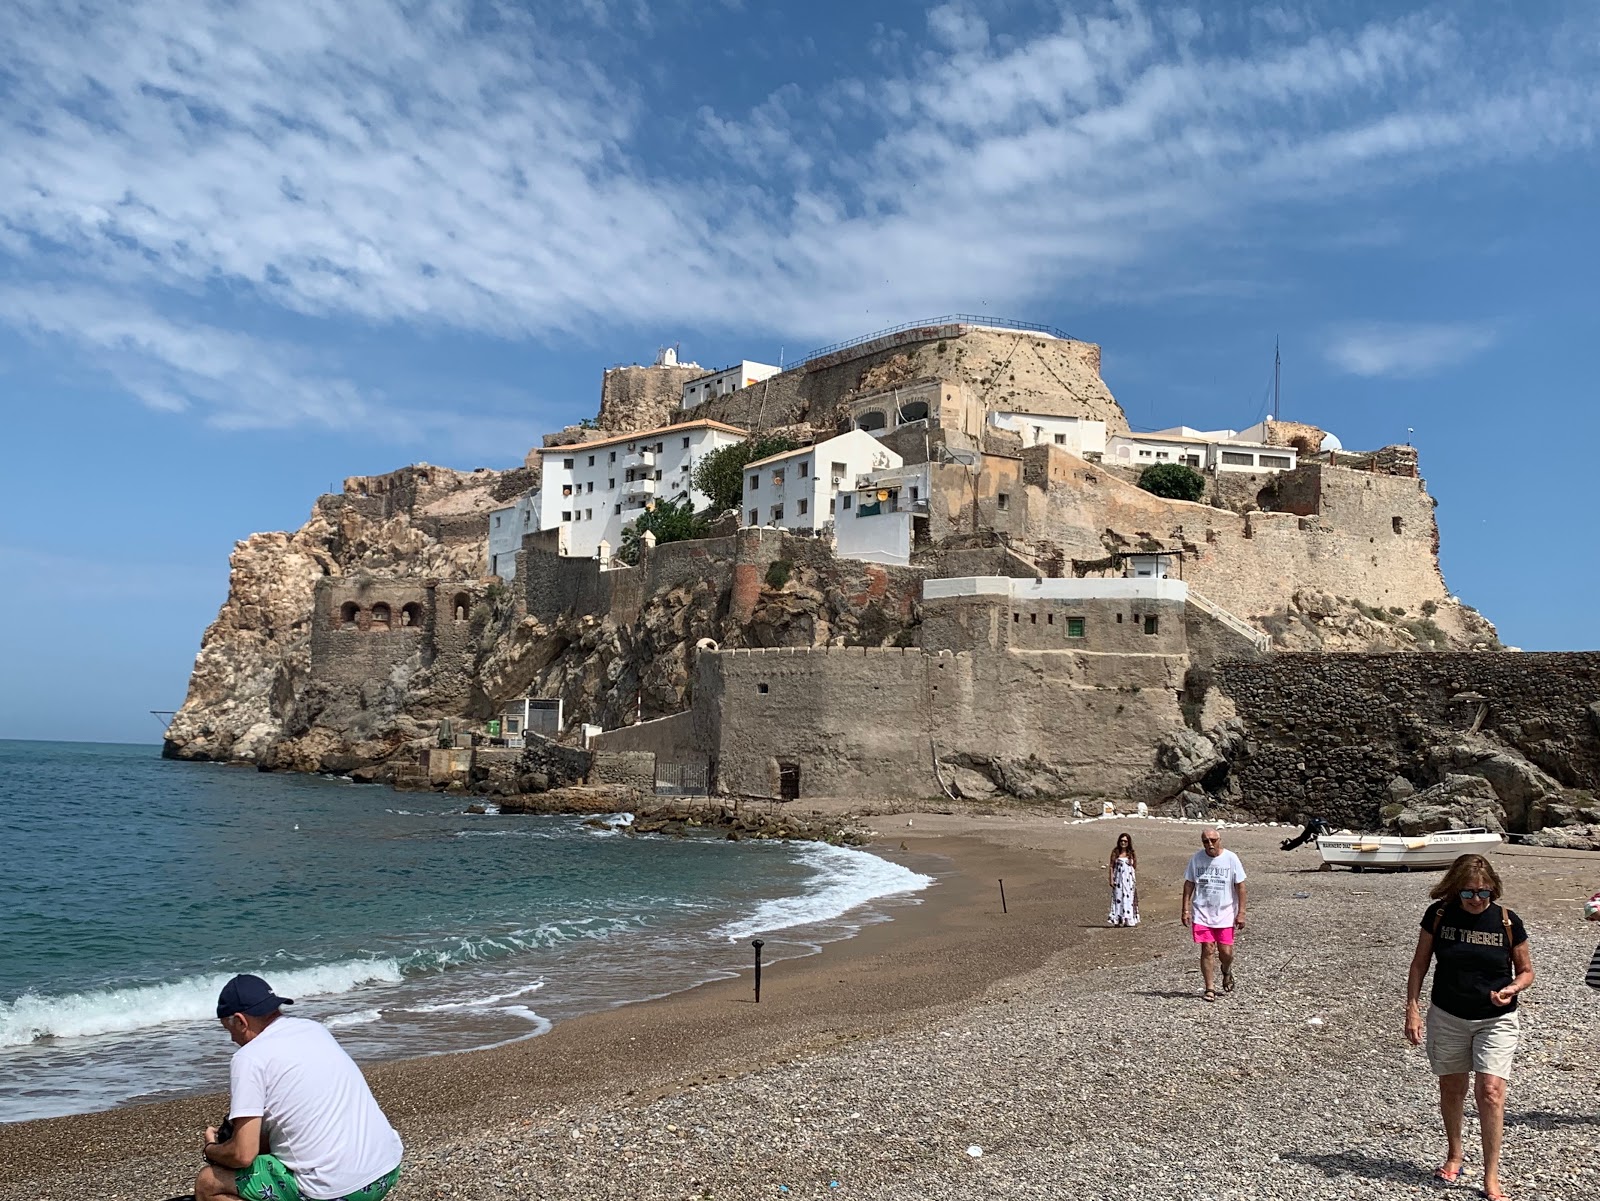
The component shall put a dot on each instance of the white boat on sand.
(1398, 852)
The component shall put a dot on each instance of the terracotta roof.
(641, 435)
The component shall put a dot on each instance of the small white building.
(506, 527)
(591, 490)
(1204, 450)
(730, 379)
(1076, 435)
(876, 519)
(798, 489)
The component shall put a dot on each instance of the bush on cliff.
(1173, 481)
(668, 520)
(720, 474)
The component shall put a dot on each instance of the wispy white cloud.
(404, 164)
(1402, 350)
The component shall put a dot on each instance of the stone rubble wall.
(1326, 734)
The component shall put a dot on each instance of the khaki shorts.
(1457, 1045)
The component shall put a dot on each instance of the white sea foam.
(360, 1017)
(477, 1002)
(845, 879)
(32, 1017)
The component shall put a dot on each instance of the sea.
(132, 887)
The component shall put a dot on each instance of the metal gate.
(683, 779)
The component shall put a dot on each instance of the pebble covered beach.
(959, 1051)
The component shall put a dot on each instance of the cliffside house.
(591, 490)
(506, 527)
(876, 517)
(1204, 450)
(799, 489)
(730, 379)
(1081, 436)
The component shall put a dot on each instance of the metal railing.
(932, 322)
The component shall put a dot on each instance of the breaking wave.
(844, 879)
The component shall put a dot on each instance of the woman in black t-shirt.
(1472, 1027)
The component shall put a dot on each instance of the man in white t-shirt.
(1213, 907)
(304, 1123)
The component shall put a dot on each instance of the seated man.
(295, 1093)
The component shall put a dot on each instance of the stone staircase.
(1238, 625)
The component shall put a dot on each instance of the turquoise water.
(131, 887)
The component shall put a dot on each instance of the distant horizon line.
(77, 741)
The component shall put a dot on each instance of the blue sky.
(249, 248)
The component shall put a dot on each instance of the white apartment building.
(874, 521)
(506, 527)
(799, 489)
(730, 379)
(591, 490)
(1076, 435)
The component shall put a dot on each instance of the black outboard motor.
(1315, 828)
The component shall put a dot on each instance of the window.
(805, 470)
(1016, 619)
(1074, 627)
(658, 473)
(591, 460)
(617, 508)
(660, 447)
(755, 482)
(527, 517)
(1279, 461)
(1050, 619)
(755, 518)
(1237, 459)
(831, 509)
(838, 471)
(1003, 501)
(566, 489)
(566, 515)
(513, 725)
(1191, 460)
(686, 444)
(1152, 623)
(612, 482)
(801, 507)
(777, 479)
(1061, 439)
(494, 564)
(762, 689)
(613, 457)
(913, 492)
(1399, 524)
(1033, 619)
(847, 500)
(497, 521)
(1144, 454)
(589, 487)
(777, 512)
(1119, 618)
(588, 514)
(567, 463)
(1161, 454)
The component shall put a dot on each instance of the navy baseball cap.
(248, 994)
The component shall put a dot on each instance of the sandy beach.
(1079, 1059)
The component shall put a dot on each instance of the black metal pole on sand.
(1003, 908)
(758, 944)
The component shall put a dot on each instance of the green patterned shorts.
(266, 1179)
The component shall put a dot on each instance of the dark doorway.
(788, 781)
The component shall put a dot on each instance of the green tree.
(669, 520)
(1175, 481)
(720, 474)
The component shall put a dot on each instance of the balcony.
(639, 459)
(644, 487)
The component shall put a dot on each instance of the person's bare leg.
(215, 1184)
(1452, 1106)
(1225, 953)
(1490, 1094)
(1207, 962)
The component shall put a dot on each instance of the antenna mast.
(1277, 372)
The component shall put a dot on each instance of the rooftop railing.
(948, 319)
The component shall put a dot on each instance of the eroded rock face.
(251, 697)
(1457, 802)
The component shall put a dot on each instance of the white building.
(591, 490)
(1204, 450)
(876, 519)
(797, 490)
(506, 527)
(1077, 435)
(730, 379)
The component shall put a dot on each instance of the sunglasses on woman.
(1483, 894)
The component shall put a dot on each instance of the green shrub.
(720, 474)
(1175, 481)
(668, 520)
(778, 573)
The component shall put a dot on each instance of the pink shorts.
(1216, 934)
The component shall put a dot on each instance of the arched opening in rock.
(871, 421)
(917, 410)
(461, 606)
(411, 614)
(349, 615)
(380, 615)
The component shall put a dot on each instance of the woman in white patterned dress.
(1122, 877)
